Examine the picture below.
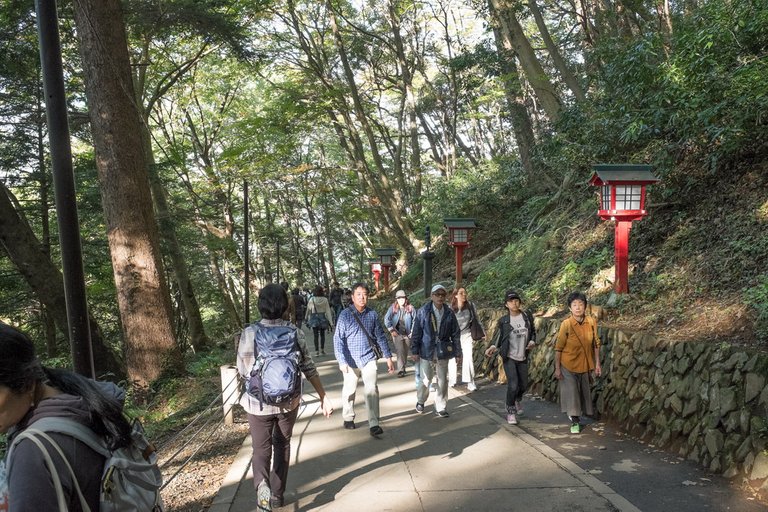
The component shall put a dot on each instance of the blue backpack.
(275, 377)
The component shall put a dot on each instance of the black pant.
(517, 381)
(268, 433)
(319, 333)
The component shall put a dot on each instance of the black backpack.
(275, 377)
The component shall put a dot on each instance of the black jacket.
(501, 336)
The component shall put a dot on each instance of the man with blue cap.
(435, 339)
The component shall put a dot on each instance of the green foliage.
(757, 298)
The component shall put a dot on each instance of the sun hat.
(437, 288)
(401, 294)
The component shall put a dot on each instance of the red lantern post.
(622, 199)
(459, 235)
(386, 258)
(376, 270)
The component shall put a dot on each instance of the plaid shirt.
(351, 344)
(246, 357)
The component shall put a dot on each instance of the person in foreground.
(513, 339)
(434, 341)
(358, 330)
(577, 355)
(30, 392)
(271, 426)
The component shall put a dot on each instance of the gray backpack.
(131, 479)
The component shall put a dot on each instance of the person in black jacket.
(513, 339)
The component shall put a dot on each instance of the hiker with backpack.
(63, 430)
(271, 356)
(513, 339)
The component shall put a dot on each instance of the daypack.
(131, 478)
(275, 377)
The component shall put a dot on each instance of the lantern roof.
(605, 174)
(454, 223)
(386, 251)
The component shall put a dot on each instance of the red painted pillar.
(386, 277)
(621, 256)
(459, 256)
(376, 274)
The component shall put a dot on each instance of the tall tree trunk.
(665, 23)
(230, 309)
(197, 337)
(410, 108)
(45, 280)
(562, 67)
(514, 37)
(49, 324)
(389, 197)
(142, 293)
(513, 91)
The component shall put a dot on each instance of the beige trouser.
(370, 388)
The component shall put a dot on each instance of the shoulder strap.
(74, 429)
(360, 323)
(33, 435)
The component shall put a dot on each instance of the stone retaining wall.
(706, 402)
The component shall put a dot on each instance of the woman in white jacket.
(319, 318)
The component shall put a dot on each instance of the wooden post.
(459, 258)
(229, 391)
(621, 256)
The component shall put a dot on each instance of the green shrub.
(756, 297)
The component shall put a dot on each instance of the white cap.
(437, 288)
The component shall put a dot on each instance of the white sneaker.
(511, 419)
(519, 407)
(263, 497)
(471, 386)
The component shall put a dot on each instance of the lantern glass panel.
(605, 197)
(460, 235)
(628, 197)
(386, 260)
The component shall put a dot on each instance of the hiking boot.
(349, 425)
(575, 428)
(511, 419)
(263, 497)
(376, 431)
(419, 407)
(401, 373)
(519, 407)
(276, 502)
(442, 414)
